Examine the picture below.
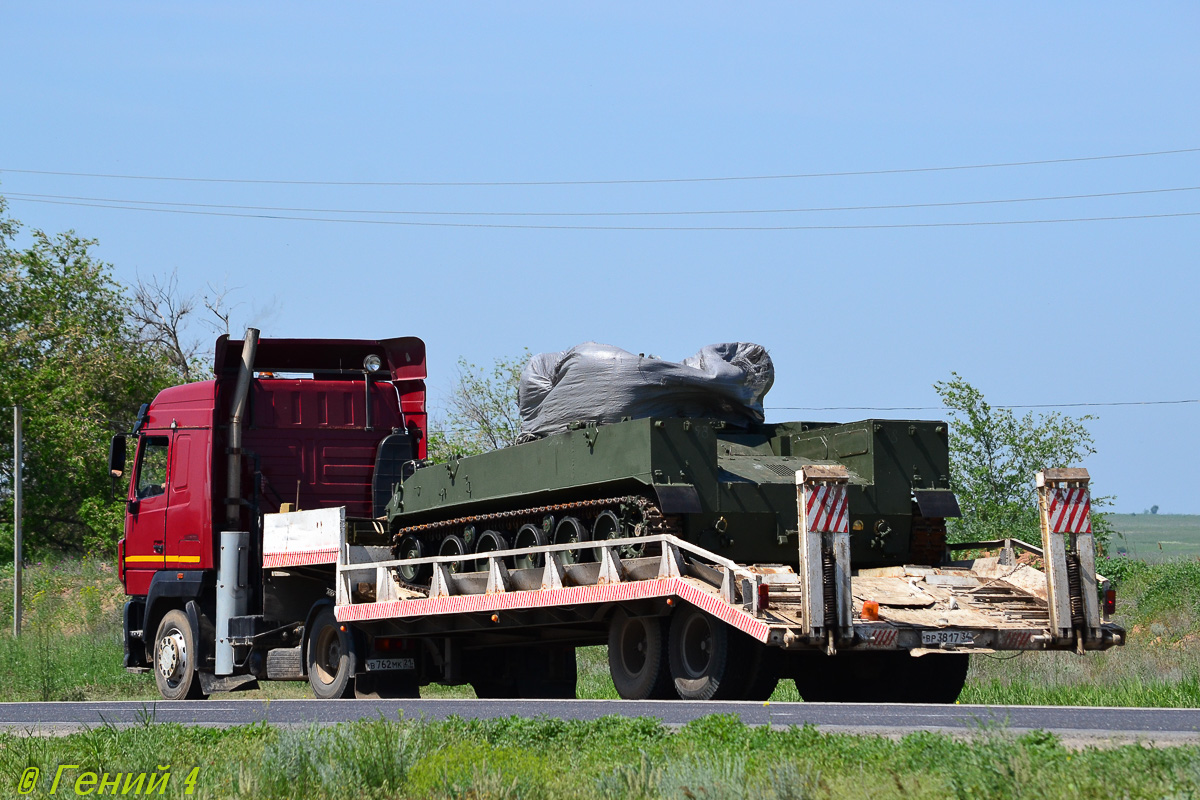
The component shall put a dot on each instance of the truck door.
(145, 524)
(186, 511)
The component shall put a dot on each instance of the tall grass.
(715, 758)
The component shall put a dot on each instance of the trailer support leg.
(1064, 508)
(824, 516)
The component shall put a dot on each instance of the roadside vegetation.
(613, 758)
(70, 647)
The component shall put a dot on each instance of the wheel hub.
(172, 656)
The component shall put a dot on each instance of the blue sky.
(1040, 313)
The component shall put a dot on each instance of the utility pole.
(17, 503)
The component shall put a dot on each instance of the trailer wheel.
(331, 659)
(175, 658)
(937, 678)
(703, 662)
(637, 658)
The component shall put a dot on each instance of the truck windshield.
(152, 467)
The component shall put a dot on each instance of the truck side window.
(152, 467)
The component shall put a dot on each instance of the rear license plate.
(381, 664)
(947, 637)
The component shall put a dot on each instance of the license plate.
(380, 664)
(947, 637)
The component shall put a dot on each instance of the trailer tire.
(704, 665)
(764, 673)
(938, 678)
(638, 659)
(175, 658)
(331, 659)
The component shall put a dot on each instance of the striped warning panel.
(546, 598)
(1070, 510)
(881, 637)
(825, 507)
(300, 558)
(1015, 640)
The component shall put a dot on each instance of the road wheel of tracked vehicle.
(488, 542)
(331, 658)
(529, 536)
(412, 547)
(453, 545)
(709, 660)
(175, 658)
(568, 531)
(607, 525)
(637, 658)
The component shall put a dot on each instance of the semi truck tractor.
(284, 523)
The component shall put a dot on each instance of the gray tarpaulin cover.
(599, 383)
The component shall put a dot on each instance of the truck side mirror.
(116, 462)
(116, 456)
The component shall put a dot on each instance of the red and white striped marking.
(300, 558)
(682, 588)
(1070, 510)
(882, 637)
(825, 507)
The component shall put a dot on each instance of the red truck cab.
(327, 425)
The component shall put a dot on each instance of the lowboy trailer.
(713, 562)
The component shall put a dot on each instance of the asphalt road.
(1152, 724)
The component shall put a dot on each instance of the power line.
(728, 178)
(390, 212)
(513, 226)
(944, 408)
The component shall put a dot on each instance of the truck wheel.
(637, 658)
(175, 658)
(703, 662)
(331, 659)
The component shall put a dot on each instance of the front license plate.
(947, 637)
(374, 664)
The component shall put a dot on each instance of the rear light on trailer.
(870, 610)
(764, 597)
(388, 644)
(1110, 602)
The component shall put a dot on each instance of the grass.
(71, 647)
(715, 757)
(1156, 537)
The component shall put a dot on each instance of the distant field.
(1157, 537)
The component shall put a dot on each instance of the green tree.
(994, 456)
(482, 411)
(72, 359)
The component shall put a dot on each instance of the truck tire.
(763, 673)
(330, 657)
(175, 658)
(882, 677)
(704, 664)
(638, 659)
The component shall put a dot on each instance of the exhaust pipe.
(232, 567)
